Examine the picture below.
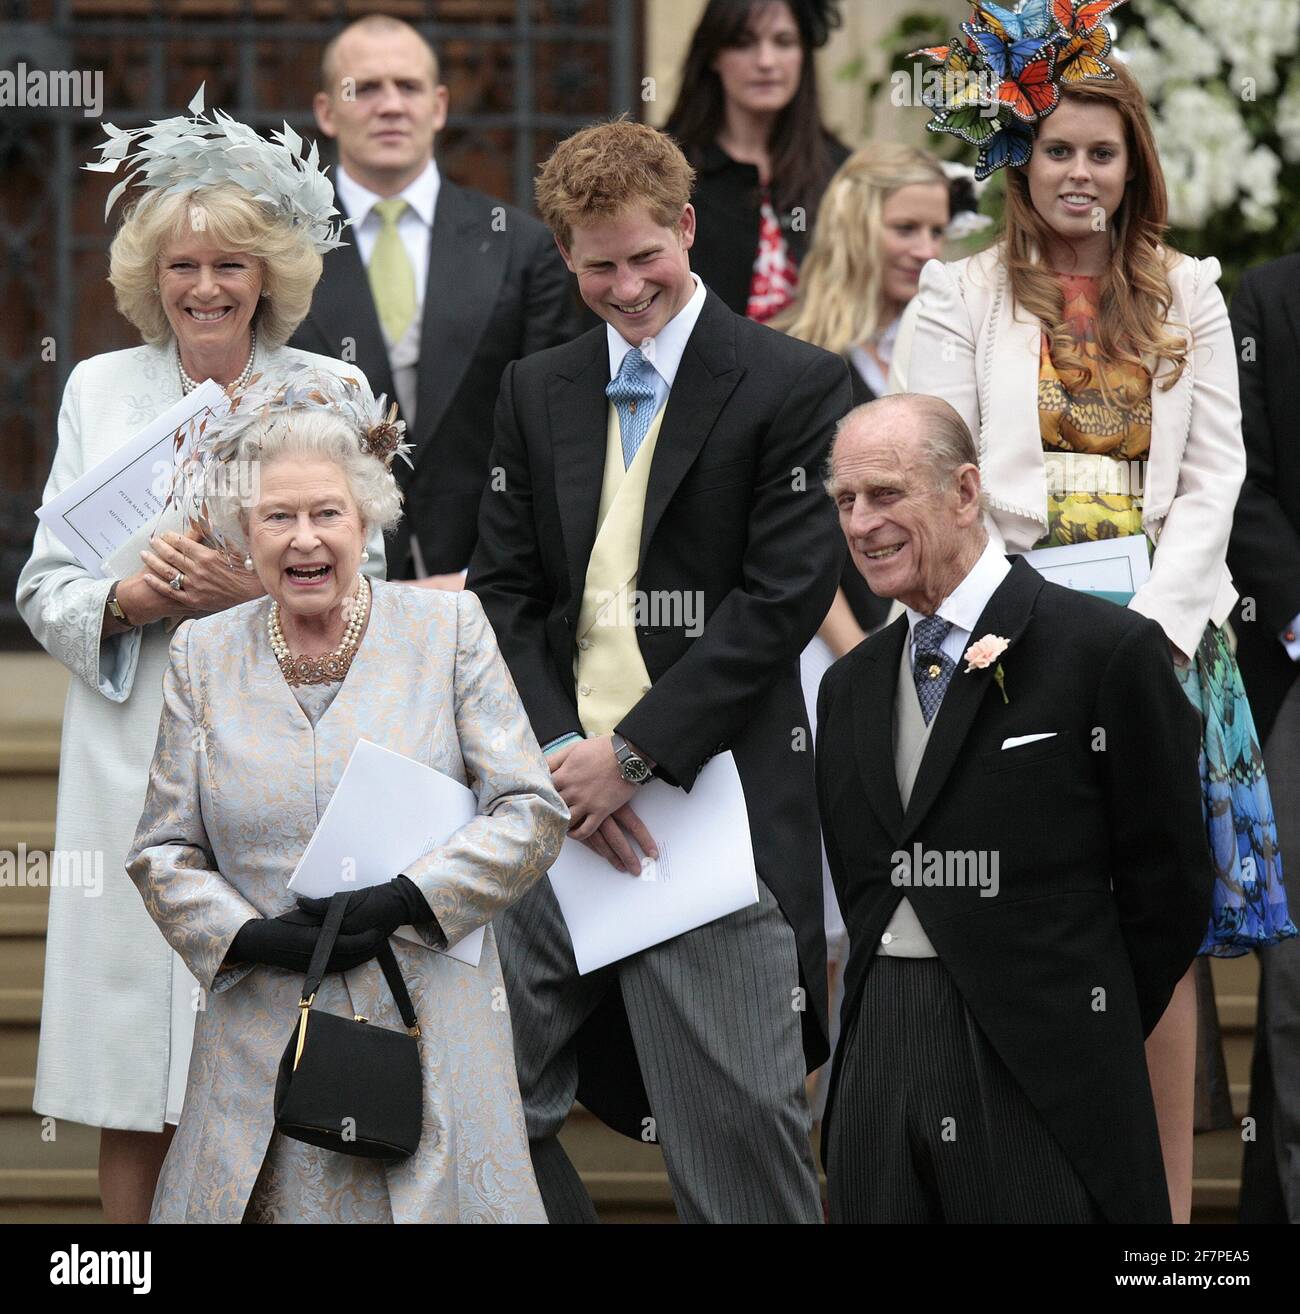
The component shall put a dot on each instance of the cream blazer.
(962, 340)
(107, 1028)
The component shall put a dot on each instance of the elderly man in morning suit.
(991, 1064)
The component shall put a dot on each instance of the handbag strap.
(329, 934)
(325, 941)
(393, 975)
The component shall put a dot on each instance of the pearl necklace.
(333, 665)
(188, 385)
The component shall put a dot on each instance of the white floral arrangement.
(1203, 66)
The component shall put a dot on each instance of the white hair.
(305, 433)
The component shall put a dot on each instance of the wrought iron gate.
(522, 74)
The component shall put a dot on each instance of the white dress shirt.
(904, 936)
(415, 227)
(865, 363)
(963, 607)
(664, 350)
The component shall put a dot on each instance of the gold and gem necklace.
(333, 665)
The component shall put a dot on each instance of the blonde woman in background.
(882, 217)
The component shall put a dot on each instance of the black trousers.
(929, 1126)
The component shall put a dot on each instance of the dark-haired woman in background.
(748, 119)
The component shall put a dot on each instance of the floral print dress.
(1107, 415)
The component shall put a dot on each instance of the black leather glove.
(378, 908)
(288, 941)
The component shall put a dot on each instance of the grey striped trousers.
(718, 1041)
(928, 1125)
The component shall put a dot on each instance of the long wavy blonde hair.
(1135, 292)
(838, 304)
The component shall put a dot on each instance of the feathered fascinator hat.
(1003, 75)
(215, 442)
(182, 153)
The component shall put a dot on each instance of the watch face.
(635, 770)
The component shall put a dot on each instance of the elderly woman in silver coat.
(215, 280)
(262, 707)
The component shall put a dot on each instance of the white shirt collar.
(963, 607)
(421, 194)
(669, 342)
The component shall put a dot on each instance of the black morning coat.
(1264, 550)
(496, 290)
(1104, 870)
(735, 511)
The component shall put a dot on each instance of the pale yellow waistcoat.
(608, 669)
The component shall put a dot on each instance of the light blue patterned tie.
(632, 392)
(931, 668)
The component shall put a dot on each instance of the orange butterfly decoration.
(1089, 42)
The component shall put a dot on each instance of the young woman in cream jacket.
(1097, 370)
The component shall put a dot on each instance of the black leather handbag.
(347, 1085)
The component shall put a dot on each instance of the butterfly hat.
(1004, 73)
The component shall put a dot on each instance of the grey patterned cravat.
(931, 668)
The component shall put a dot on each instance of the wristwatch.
(634, 769)
(115, 607)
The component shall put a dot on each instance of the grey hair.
(947, 441)
(232, 487)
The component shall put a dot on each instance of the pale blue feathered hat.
(187, 152)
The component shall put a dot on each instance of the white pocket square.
(1016, 740)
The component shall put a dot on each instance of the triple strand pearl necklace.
(333, 665)
(188, 385)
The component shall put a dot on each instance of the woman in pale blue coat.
(215, 281)
(262, 707)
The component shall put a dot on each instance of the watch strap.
(623, 753)
(115, 607)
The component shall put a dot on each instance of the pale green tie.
(392, 280)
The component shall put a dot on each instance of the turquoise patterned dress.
(1107, 416)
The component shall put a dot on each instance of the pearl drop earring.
(248, 563)
(365, 554)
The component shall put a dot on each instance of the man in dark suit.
(439, 289)
(1264, 557)
(671, 453)
(1009, 793)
